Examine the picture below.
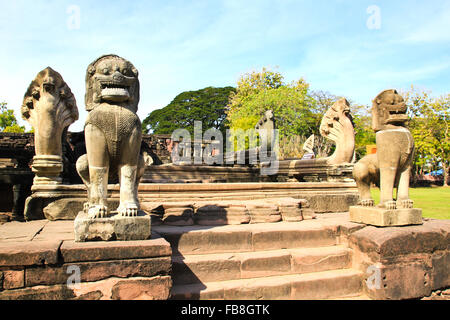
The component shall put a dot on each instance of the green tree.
(258, 92)
(364, 134)
(429, 125)
(8, 122)
(206, 105)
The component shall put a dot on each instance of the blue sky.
(189, 45)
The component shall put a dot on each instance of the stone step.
(247, 238)
(191, 269)
(317, 285)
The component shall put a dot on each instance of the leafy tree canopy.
(258, 92)
(206, 105)
(430, 127)
(8, 122)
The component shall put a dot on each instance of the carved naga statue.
(391, 165)
(113, 135)
(50, 107)
(337, 125)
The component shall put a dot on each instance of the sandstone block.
(115, 250)
(328, 284)
(13, 279)
(385, 218)
(205, 268)
(199, 240)
(29, 253)
(291, 214)
(383, 243)
(64, 209)
(112, 228)
(440, 271)
(95, 271)
(221, 214)
(319, 259)
(57, 292)
(178, 216)
(407, 281)
(266, 264)
(271, 240)
(157, 288)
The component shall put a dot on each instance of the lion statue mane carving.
(113, 136)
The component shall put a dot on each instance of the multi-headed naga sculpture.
(50, 107)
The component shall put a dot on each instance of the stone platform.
(65, 201)
(39, 260)
(324, 258)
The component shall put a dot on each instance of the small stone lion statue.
(113, 136)
(391, 165)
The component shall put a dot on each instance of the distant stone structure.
(390, 166)
(113, 136)
(336, 125)
(50, 107)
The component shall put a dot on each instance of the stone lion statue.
(337, 125)
(391, 165)
(113, 135)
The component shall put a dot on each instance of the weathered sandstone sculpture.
(50, 107)
(113, 136)
(266, 128)
(337, 125)
(390, 166)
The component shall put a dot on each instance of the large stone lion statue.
(113, 135)
(391, 165)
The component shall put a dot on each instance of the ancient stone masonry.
(113, 137)
(336, 125)
(50, 107)
(40, 261)
(390, 167)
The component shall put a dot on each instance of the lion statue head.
(388, 110)
(113, 80)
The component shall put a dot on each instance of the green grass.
(434, 201)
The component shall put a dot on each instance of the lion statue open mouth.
(113, 135)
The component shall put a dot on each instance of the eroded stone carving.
(337, 125)
(266, 129)
(113, 136)
(50, 107)
(391, 165)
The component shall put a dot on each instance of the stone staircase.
(285, 260)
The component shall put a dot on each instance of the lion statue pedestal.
(390, 167)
